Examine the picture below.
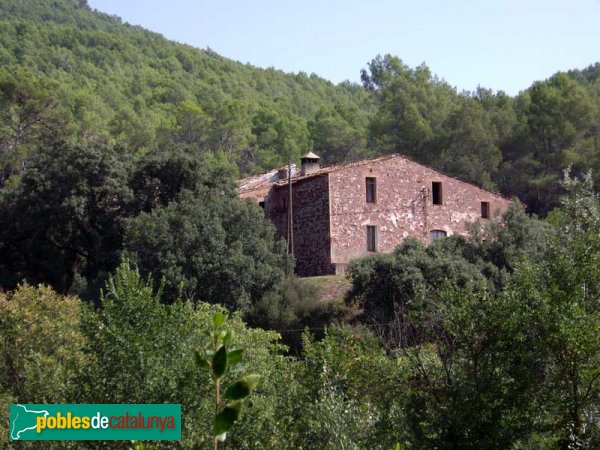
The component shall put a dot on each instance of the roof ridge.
(335, 167)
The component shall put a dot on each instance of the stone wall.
(403, 207)
(311, 222)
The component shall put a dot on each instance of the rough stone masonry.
(347, 211)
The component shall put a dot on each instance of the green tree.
(412, 107)
(134, 336)
(470, 149)
(29, 116)
(42, 352)
(557, 127)
(163, 174)
(192, 126)
(562, 292)
(334, 139)
(347, 411)
(41, 345)
(211, 245)
(144, 344)
(277, 137)
(386, 287)
(473, 382)
(62, 224)
(506, 241)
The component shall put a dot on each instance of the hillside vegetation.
(71, 72)
(119, 83)
(123, 243)
(490, 342)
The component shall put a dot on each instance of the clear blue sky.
(498, 44)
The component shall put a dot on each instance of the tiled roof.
(258, 185)
(335, 167)
(252, 187)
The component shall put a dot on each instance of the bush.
(214, 247)
(144, 350)
(41, 345)
(41, 349)
(298, 305)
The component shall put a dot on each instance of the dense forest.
(485, 342)
(129, 267)
(88, 77)
(97, 79)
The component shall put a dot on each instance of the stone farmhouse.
(346, 211)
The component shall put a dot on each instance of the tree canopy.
(89, 77)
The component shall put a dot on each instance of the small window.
(436, 234)
(371, 239)
(261, 204)
(371, 190)
(436, 192)
(485, 210)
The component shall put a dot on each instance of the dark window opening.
(371, 190)
(261, 204)
(283, 204)
(371, 239)
(436, 192)
(485, 210)
(436, 234)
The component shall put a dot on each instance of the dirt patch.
(330, 287)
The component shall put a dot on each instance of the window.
(261, 204)
(371, 239)
(371, 190)
(436, 192)
(485, 210)
(436, 234)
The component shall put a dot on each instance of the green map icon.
(22, 420)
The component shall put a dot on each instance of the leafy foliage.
(62, 221)
(78, 207)
(228, 402)
(41, 345)
(473, 378)
(213, 246)
(501, 346)
(82, 75)
(116, 142)
(387, 287)
(503, 358)
(121, 83)
(145, 352)
(562, 292)
(295, 306)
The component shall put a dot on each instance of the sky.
(502, 45)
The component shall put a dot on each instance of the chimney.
(309, 164)
(282, 173)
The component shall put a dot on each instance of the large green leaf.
(219, 362)
(234, 356)
(228, 337)
(201, 363)
(226, 418)
(219, 319)
(242, 388)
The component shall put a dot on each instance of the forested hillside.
(70, 72)
(124, 245)
(118, 83)
(520, 145)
